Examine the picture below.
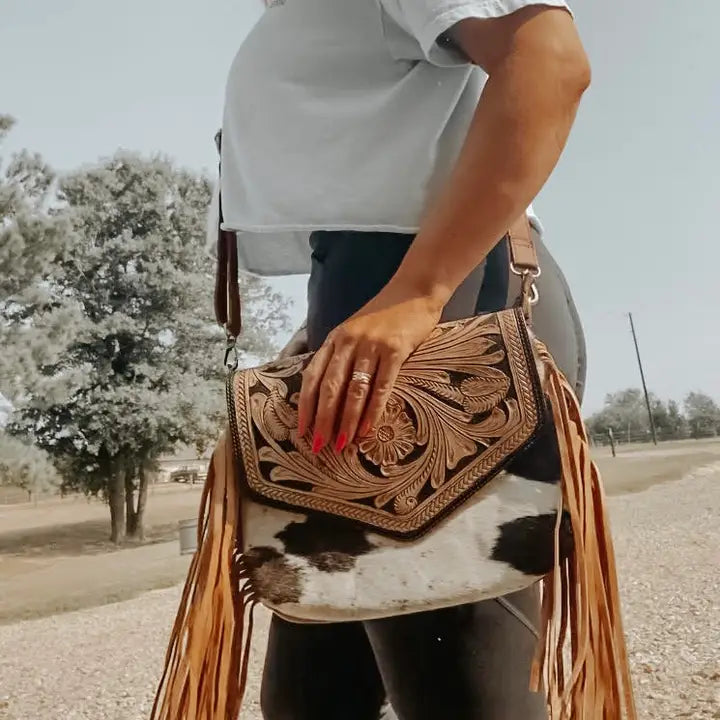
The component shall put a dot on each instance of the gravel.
(668, 544)
(103, 663)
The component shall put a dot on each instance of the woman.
(404, 137)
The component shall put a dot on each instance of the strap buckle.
(231, 359)
(529, 294)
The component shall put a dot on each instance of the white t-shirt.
(344, 114)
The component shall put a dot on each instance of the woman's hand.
(348, 382)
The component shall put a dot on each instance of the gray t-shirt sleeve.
(428, 20)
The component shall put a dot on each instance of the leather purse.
(476, 483)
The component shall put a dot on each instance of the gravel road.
(102, 664)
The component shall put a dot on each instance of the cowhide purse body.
(476, 483)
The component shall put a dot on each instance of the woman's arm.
(538, 72)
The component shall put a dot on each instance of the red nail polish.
(341, 442)
(366, 429)
(318, 443)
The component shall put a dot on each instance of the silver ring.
(362, 377)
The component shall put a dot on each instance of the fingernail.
(365, 429)
(341, 442)
(318, 443)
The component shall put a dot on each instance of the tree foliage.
(625, 413)
(703, 415)
(26, 466)
(120, 358)
(36, 322)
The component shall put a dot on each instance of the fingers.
(333, 386)
(386, 375)
(345, 388)
(358, 390)
(310, 388)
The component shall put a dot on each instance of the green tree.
(677, 422)
(36, 321)
(661, 418)
(142, 371)
(703, 415)
(626, 413)
(26, 466)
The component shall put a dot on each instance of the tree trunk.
(130, 515)
(116, 498)
(139, 515)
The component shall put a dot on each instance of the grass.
(70, 539)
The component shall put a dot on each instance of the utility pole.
(642, 377)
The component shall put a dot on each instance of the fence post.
(612, 441)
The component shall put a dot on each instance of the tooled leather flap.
(465, 402)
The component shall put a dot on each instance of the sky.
(630, 212)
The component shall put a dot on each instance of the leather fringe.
(207, 659)
(580, 598)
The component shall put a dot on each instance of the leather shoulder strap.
(228, 310)
(523, 254)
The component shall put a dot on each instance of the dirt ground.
(55, 557)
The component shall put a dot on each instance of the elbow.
(576, 74)
(540, 46)
(557, 58)
(567, 66)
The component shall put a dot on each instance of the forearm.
(518, 132)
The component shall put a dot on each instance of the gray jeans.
(470, 662)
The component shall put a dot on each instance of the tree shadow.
(72, 539)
